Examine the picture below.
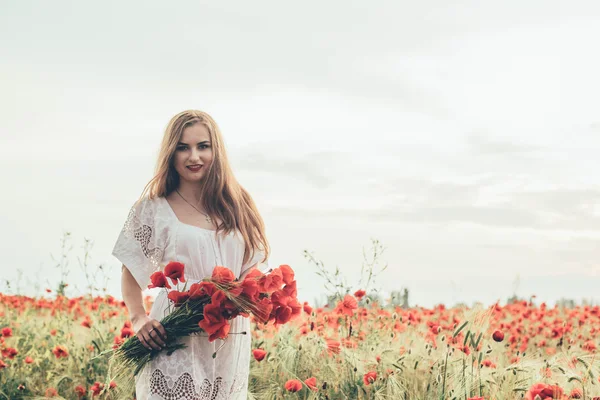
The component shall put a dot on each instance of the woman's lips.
(195, 169)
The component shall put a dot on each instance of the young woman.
(193, 211)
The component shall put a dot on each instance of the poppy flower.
(544, 392)
(262, 310)
(213, 322)
(348, 305)
(80, 391)
(287, 273)
(307, 308)
(178, 298)
(60, 351)
(311, 383)
(174, 271)
(250, 288)
(222, 275)
(259, 354)
(370, 377)
(290, 289)
(272, 281)
(96, 388)
(159, 280)
(7, 332)
(359, 294)
(127, 332)
(254, 274)
(51, 392)
(28, 360)
(201, 289)
(9, 352)
(293, 385)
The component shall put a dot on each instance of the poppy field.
(358, 349)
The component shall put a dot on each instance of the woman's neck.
(190, 191)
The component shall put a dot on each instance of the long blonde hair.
(222, 195)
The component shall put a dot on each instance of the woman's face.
(193, 149)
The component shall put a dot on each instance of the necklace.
(207, 216)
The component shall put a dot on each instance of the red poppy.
(222, 275)
(287, 273)
(174, 271)
(311, 383)
(544, 392)
(370, 377)
(7, 332)
(213, 322)
(262, 310)
(293, 385)
(201, 289)
(290, 289)
(348, 305)
(359, 294)
(28, 360)
(96, 388)
(60, 351)
(159, 280)
(235, 289)
(307, 308)
(80, 390)
(259, 354)
(178, 298)
(127, 332)
(254, 274)
(9, 352)
(250, 288)
(272, 281)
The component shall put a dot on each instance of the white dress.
(151, 237)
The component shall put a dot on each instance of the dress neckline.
(177, 219)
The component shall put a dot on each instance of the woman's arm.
(246, 272)
(149, 331)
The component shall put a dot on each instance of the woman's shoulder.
(148, 206)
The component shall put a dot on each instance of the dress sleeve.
(141, 243)
(258, 256)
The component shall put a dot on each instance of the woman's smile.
(194, 168)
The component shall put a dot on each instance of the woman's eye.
(181, 148)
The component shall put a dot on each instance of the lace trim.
(143, 233)
(184, 387)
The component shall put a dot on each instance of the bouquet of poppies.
(208, 306)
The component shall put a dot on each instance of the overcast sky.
(464, 137)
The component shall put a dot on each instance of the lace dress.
(151, 237)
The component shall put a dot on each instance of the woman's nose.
(195, 154)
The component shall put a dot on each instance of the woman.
(195, 212)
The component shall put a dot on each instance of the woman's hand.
(150, 332)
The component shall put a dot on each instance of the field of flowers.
(356, 350)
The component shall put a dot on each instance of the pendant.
(208, 219)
